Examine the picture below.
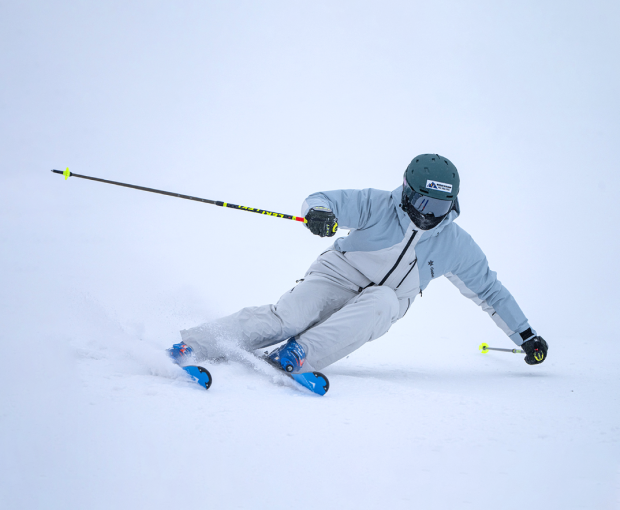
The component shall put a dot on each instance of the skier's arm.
(474, 279)
(351, 206)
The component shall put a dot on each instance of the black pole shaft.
(186, 197)
(142, 188)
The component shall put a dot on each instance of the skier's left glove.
(535, 350)
(321, 221)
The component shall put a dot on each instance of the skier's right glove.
(322, 221)
(535, 350)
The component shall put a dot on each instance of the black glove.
(535, 350)
(322, 221)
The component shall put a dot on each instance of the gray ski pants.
(325, 315)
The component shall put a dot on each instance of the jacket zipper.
(414, 264)
(399, 258)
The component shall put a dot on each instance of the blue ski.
(200, 374)
(314, 381)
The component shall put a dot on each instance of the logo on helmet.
(439, 186)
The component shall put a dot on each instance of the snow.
(260, 105)
(111, 423)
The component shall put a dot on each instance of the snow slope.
(103, 420)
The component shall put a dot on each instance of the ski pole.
(484, 348)
(68, 174)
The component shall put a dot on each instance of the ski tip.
(316, 382)
(200, 374)
(325, 386)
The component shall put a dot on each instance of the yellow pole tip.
(484, 348)
(66, 173)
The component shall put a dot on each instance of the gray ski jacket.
(384, 247)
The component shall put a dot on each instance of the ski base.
(200, 374)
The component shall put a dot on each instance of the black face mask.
(425, 212)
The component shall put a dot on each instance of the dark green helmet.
(434, 176)
(430, 187)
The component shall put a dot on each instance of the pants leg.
(366, 317)
(309, 303)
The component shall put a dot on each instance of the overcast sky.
(262, 103)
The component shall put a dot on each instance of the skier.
(399, 241)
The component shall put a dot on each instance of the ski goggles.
(425, 204)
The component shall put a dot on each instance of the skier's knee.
(386, 301)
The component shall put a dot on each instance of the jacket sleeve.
(474, 279)
(352, 207)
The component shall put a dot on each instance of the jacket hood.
(405, 221)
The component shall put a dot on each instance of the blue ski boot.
(290, 356)
(180, 353)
